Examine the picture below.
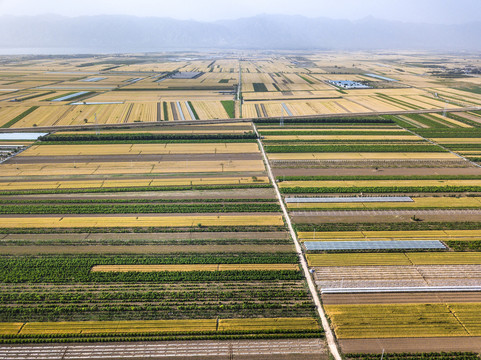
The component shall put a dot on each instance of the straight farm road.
(312, 287)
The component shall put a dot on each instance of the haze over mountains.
(114, 33)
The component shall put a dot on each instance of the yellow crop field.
(362, 156)
(457, 140)
(268, 324)
(139, 167)
(379, 183)
(137, 149)
(449, 258)
(117, 327)
(357, 259)
(10, 328)
(194, 267)
(422, 202)
(158, 326)
(10, 112)
(343, 137)
(38, 185)
(370, 259)
(386, 321)
(140, 221)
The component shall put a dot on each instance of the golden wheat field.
(140, 221)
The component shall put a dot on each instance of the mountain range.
(122, 33)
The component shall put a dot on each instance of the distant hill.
(112, 33)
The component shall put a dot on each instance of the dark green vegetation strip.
(128, 337)
(380, 189)
(71, 138)
(352, 148)
(193, 110)
(192, 141)
(229, 107)
(379, 177)
(135, 189)
(136, 209)
(306, 79)
(474, 245)
(411, 226)
(19, 117)
(166, 111)
(260, 87)
(449, 133)
(76, 269)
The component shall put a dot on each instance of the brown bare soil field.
(411, 344)
(262, 193)
(402, 298)
(379, 172)
(389, 217)
(149, 236)
(143, 249)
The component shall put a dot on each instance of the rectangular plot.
(350, 199)
(373, 245)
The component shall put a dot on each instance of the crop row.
(377, 177)
(137, 209)
(379, 189)
(137, 189)
(411, 226)
(143, 136)
(351, 148)
(129, 201)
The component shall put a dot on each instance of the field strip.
(393, 212)
(152, 182)
(362, 156)
(140, 221)
(181, 349)
(343, 137)
(138, 167)
(405, 320)
(377, 235)
(394, 259)
(159, 326)
(379, 183)
(195, 267)
(312, 287)
(144, 149)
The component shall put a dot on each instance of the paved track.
(162, 350)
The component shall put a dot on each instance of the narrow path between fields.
(312, 287)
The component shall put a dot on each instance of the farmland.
(149, 212)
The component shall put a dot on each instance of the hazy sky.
(432, 11)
